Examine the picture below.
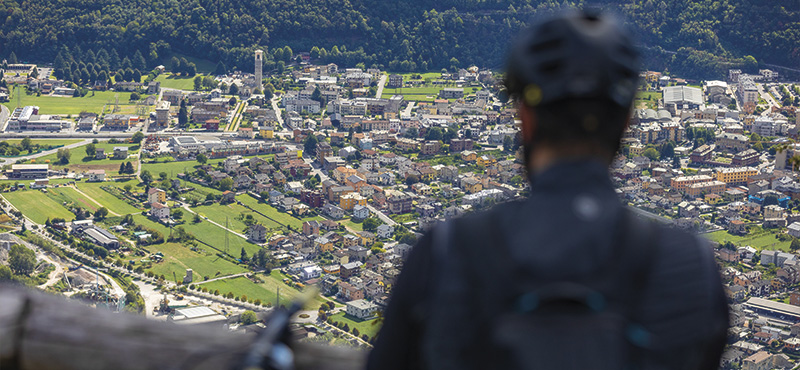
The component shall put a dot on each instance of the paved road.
(381, 83)
(4, 161)
(277, 110)
(409, 107)
(381, 215)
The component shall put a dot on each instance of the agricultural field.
(94, 102)
(232, 213)
(368, 327)
(37, 206)
(215, 236)
(266, 291)
(759, 240)
(110, 201)
(68, 195)
(275, 214)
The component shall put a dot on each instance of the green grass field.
(353, 225)
(176, 82)
(92, 102)
(368, 327)
(37, 206)
(174, 168)
(760, 241)
(69, 195)
(266, 291)
(232, 212)
(114, 204)
(27, 182)
(53, 142)
(80, 162)
(275, 214)
(215, 236)
(177, 258)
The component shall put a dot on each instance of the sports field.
(92, 102)
(37, 206)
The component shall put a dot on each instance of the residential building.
(159, 211)
(257, 233)
(156, 195)
(361, 309)
(735, 175)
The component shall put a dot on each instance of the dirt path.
(94, 201)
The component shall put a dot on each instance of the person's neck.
(544, 157)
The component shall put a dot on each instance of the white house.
(310, 272)
(361, 309)
(360, 212)
(159, 211)
(794, 229)
(385, 231)
(96, 175)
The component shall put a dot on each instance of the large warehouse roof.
(683, 95)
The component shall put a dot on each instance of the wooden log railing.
(41, 332)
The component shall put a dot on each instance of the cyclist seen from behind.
(567, 278)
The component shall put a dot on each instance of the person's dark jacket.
(565, 227)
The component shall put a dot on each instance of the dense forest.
(703, 38)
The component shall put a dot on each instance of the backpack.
(488, 312)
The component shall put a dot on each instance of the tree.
(21, 260)
(177, 213)
(310, 146)
(129, 167)
(316, 95)
(12, 58)
(370, 224)
(121, 168)
(234, 89)
(226, 184)
(248, 317)
(198, 82)
(196, 219)
(25, 144)
(795, 245)
(201, 158)
(101, 213)
(508, 144)
(651, 153)
(243, 255)
(314, 54)
(63, 156)
(135, 96)
(434, 133)
(183, 116)
(137, 137)
(146, 177)
(91, 150)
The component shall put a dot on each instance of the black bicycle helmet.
(578, 54)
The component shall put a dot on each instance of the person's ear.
(528, 118)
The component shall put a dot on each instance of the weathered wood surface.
(42, 332)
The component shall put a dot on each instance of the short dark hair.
(594, 122)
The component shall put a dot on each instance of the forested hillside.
(710, 36)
